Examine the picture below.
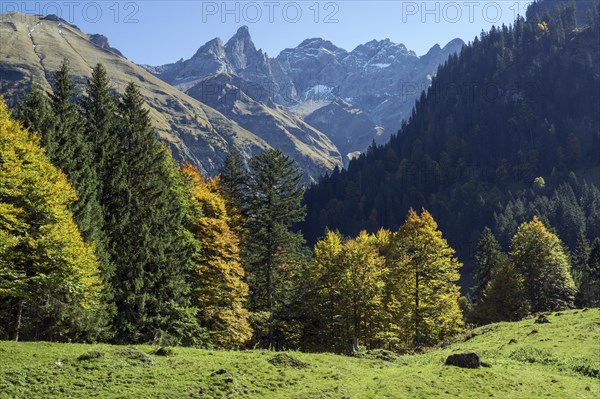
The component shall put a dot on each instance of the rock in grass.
(468, 360)
(285, 360)
(89, 355)
(542, 319)
(225, 375)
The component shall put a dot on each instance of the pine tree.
(271, 247)
(427, 272)
(147, 242)
(219, 287)
(488, 256)
(539, 255)
(49, 279)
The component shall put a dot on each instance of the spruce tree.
(579, 261)
(147, 241)
(590, 287)
(99, 106)
(271, 246)
(71, 153)
(35, 112)
(488, 256)
(234, 179)
(99, 110)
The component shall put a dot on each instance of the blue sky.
(156, 32)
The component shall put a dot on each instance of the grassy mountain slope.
(560, 360)
(33, 47)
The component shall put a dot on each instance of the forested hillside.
(509, 120)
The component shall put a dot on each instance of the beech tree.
(219, 287)
(426, 290)
(49, 277)
(540, 256)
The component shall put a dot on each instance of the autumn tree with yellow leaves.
(220, 290)
(49, 277)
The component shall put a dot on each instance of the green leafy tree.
(426, 290)
(540, 256)
(49, 278)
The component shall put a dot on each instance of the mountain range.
(381, 79)
(318, 103)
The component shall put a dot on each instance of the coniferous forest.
(484, 207)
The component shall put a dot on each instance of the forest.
(508, 130)
(483, 208)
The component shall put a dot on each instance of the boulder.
(542, 319)
(469, 360)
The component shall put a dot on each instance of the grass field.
(556, 360)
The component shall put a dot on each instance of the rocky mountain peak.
(102, 42)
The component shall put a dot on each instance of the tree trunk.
(18, 320)
(417, 342)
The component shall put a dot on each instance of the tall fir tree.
(71, 152)
(271, 247)
(590, 286)
(99, 110)
(35, 112)
(234, 178)
(580, 262)
(144, 224)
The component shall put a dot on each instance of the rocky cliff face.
(380, 78)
